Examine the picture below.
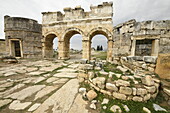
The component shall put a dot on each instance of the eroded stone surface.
(4, 102)
(34, 107)
(27, 92)
(69, 90)
(79, 105)
(45, 91)
(17, 105)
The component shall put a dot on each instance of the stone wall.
(29, 34)
(163, 66)
(77, 21)
(2, 47)
(126, 34)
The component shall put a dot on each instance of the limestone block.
(116, 109)
(99, 81)
(163, 66)
(111, 87)
(125, 90)
(147, 97)
(147, 80)
(150, 59)
(91, 95)
(136, 98)
(141, 91)
(122, 83)
(150, 89)
(119, 96)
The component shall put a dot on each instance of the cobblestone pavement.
(40, 87)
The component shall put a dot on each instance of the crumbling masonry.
(28, 39)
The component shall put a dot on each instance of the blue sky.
(124, 10)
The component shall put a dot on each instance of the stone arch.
(48, 44)
(100, 30)
(65, 41)
(108, 35)
(72, 31)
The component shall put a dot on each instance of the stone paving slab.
(10, 74)
(7, 84)
(17, 105)
(45, 91)
(34, 107)
(36, 73)
(79, 105)
(8, 92)
(67, 70)
(5, 102)
(66, 75)
(27, 92)
(61, 81)
(52, 79)
(61, 99)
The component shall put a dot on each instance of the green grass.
(135, 107)
(100, 54)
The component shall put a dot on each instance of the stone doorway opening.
(99, 47)
(143, 47)
(15, 48)
(50, 46)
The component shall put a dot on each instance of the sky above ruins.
(124, 10)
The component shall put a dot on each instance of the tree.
(101, 48)
(97, 48)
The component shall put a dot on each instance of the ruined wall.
(28, 32)
(126, 33)
(76, 21)
(2, 47)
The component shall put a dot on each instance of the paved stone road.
(40, 87)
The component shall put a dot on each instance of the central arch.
(66, 40)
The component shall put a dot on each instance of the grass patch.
(100, 54)
(135, 107)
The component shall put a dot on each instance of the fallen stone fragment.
(92, 106)
(146, 110)
(126, 108)
(158, 108)
(91, 95)
(105, 101)
(116, 109)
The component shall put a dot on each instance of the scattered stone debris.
(158, 108)
(146, 110)
(116, 109)
(91, 95)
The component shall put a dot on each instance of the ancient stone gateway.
(77, 21)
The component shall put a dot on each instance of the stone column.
(110, 50)
(133, 48)
(86, 49)
(155, 47)
(43, 47)
(61, 50)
